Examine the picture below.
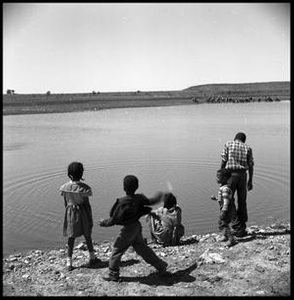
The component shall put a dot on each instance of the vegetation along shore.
(259, 265)
(14, 103)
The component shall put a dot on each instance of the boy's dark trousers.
(226, 218)
(131, 235)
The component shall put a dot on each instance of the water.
(174, 148)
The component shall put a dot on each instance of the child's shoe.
(162, 271)
(241, 233)
(112, 278)
(223, 238)
(93, 262)
(231, 242)
(70, 268)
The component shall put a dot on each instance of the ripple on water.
(34, 208)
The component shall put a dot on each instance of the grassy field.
(58, 103)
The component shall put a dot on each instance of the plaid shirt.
(237, 155)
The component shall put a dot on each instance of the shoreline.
(110, 240)
(46, 109)
(259, 265)
(97, 106)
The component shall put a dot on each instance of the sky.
(111, 47)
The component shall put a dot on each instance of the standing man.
(238, 158)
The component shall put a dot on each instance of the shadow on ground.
(172, 278)
(104, 264)
(261, 235)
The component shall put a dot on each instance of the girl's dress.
(78, 218)
(165, 225)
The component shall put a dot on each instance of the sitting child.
(165, 222)
(227, 207)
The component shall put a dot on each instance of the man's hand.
(249, 186)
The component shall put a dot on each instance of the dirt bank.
(259, 265)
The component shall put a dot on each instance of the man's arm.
(250, 169)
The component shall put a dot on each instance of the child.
(165, 222)
(127, 211)
(78, 219)
(227, 207)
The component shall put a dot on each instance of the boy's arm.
(224, 157)
(106, 222)
(155, 199)
(154, 214)
(112, 220)
(62, 194)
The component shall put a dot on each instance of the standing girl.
(78, 218)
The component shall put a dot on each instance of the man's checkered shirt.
(237, 155)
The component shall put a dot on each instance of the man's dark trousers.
(238, 183)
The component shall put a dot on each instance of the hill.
(276, 87)
(51, 103)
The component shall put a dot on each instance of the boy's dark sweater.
(127, 210)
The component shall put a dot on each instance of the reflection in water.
(168, 148)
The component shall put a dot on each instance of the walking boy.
(127, 211)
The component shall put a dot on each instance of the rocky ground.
(259, 265)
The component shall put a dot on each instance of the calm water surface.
(176, 147)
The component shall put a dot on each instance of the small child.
(127, 211)
(227, 207)
(165, 222)
(78, 218)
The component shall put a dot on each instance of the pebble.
(259, 269)
(81, 246)
(26, 277)
(13, 259)
(260, 292)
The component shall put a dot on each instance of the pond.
(176, 147)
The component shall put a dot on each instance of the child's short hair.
(75, 170)
(223, 174)
(169, 200)
(131, 183)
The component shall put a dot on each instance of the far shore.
(93, 105)
(15, 103)
(96, 105)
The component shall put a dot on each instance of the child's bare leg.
(90, 247)
(70, 245)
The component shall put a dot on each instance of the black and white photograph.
(146, 149)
